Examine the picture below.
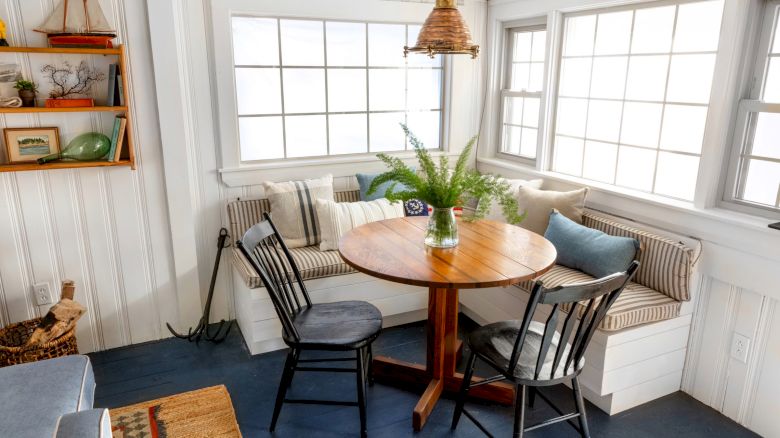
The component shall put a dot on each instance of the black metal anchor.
(203, 325)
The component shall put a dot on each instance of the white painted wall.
(740, 262)
(107, 229)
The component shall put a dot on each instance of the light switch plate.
(740, 346)
(42, 294)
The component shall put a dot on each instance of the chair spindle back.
(587, 305)
(266, 251)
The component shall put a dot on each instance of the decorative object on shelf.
(3, 34)
(67, 82)
(9, 74)
(27, 92)
(445, 32)
(26, 145)
(203, 325)
(444, 189)
(86, 147)
(78, 23)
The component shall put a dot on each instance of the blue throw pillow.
(365, 180)
(591, 251)
(415, 207)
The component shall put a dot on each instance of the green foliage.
(22, 84)
(442, 187)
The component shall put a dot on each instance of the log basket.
(14, 336)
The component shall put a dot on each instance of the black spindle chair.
(339, 326)
(531, 354)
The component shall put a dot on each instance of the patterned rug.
(207, 412)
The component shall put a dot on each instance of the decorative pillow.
(365, 180)
(591, 251)
(539, 203)
(336, 218)
(292, 208)
(415, 207)
(495, 213)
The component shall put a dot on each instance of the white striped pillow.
(292, 208)
(336, 218)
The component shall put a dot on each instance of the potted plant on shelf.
(27, 92)
(67, 83)
(444, 189)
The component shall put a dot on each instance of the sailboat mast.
(65, 17)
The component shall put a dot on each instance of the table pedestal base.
(438, 375)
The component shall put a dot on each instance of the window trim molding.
(228, 152)
(754, 68)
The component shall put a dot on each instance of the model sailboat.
(78, 23)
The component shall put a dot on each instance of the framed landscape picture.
(25, 145)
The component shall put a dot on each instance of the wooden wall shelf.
(40, 109)
(129, 144)
(26, 167)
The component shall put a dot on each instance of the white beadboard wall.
(106, 229)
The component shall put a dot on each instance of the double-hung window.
(521, 95)
(755, 169)
(633, 94)
(314, 88)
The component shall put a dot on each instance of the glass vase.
(442, 229)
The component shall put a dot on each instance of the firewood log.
(60, 319)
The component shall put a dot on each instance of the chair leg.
(464, 390)
(583, 418)
(531, 397)
(370, 365)
(297, 356)
(520, 396)
(361, 390)
(287, 374)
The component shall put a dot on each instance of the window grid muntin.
(629, 55)
(508, 92)
(326, 68)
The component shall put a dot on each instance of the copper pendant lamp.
(444, 32)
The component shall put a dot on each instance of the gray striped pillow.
(293, 208)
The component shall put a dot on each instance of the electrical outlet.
(42, 294)
(740, 346)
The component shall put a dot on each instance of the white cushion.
(336, 218)
(292, 208)
(539, 203)
(495, 212)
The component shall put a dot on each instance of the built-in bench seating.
(637, 355)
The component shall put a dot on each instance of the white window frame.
(327, 113)
(234, 173)
(746, 113)
(510, 28)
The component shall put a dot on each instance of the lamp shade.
(444, 32)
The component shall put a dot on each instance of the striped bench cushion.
(665, 264)
(242, 214)
(637, 304)
(311, 262)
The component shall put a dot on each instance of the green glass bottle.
(86, 147)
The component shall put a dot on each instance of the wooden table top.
(489, 254)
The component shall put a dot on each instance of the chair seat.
(494, 343)
(343, 325)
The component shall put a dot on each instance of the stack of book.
(117, 139)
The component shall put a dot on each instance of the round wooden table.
(489, 254)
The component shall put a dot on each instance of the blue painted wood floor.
(143, 372)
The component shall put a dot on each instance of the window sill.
(712, 224)
(305, 168)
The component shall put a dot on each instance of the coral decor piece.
(66, 82)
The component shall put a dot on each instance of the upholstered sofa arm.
(85, 424)
(666, 265)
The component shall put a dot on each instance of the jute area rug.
(207, 412)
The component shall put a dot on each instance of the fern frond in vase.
(443, 189)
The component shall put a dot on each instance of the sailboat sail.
(77, 17)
